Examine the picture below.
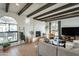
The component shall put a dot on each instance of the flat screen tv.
(70, 31)
(38, 33)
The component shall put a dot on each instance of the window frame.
(10, 31)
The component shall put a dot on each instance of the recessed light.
(17, 4)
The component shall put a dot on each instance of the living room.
(45, 29)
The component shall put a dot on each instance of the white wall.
(70, 22)
(34, 26)
(39, 26)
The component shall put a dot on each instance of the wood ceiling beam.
(24, 8)
(7, 7)
(76, 14)
(66, 17)
(61, 18)
(57, 9)
(67, 11)
(41, 8)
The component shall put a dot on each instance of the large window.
(3, 27)
(13, 27)
(54, 27)
(8, 29)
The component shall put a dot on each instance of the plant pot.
(6, 48)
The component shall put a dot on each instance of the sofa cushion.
(66, 52)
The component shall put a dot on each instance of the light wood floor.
(22, 50)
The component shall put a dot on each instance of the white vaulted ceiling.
(13, 8)
(33, 8)
(2, 6)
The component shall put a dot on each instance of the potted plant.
(6, 45)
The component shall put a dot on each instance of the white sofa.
(45, 49)
(76, 43)
(69, 45)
